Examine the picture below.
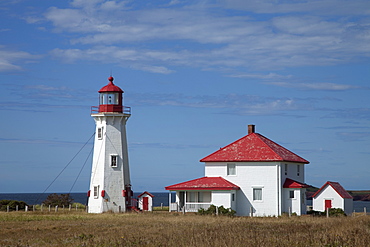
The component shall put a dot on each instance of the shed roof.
(290, 183)
(337, 187)
(253, 147)
(204, 183)
(145, 193)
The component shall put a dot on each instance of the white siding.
(221, 198)
(328, 193)
(110, 179)
(251, 175)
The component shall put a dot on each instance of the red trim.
(103, 193)
(88, 193)
(124, 193)
(145, 193)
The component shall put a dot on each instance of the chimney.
(251, 128)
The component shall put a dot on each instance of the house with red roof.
(332, 195)
(252, 175)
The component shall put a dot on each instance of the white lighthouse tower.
(110, 186)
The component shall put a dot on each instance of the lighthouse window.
(100, 133)
(113, 160)
(96, 191)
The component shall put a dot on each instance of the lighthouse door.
(145, 203)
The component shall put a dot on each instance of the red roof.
(337, 187)
(145, 193)
(204, 183)
(290, 183)
(253, 147)
(110, 87)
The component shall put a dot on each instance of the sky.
(195, 74)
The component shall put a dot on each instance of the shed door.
(327, 204)
(145, 203)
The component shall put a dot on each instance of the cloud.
(10, 59)
(325, 86)
(195, 35)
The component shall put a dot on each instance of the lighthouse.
(110, 185)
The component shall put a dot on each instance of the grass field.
(169, 229)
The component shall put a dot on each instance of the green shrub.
(332, 212)
(12, 205)
(58, 200)
(221, 211)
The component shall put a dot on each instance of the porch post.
(184, 202)
(169, 202)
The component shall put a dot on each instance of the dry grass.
(165, 229)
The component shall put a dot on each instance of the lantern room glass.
(109, 98)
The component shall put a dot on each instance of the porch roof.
(290, 183)
(204, 183)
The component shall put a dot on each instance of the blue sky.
(195, 73)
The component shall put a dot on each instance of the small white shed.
(332, 195)
(145, 201)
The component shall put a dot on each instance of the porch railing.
(195, 206)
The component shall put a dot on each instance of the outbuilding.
(145, 201)
(332, 195)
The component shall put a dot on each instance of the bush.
(332, 212)
(12, 205)
(221, 211)
(58, 200)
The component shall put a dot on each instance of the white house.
(332, 195)
(145, 201)
(253, 176)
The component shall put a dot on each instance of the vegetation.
(332, 212)
(12, 205)
(213, 210)
(58, 200)
(70, 228)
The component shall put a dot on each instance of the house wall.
(251, 175)
(221, 198)
(295, 205)
(328, 193)
(348, 206)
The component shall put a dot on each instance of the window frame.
(100, 133)
(256, 197)
(114, 160)
(96, 192)
(298, 170)
(231, 171)
(291, 194)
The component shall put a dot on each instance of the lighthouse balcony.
(110, 109)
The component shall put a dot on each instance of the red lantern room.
(110, 98)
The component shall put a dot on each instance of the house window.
(298, 169)
(257, 194)
(291, 194)
(233, 197)
(100, 133)
(96, 191)
(286, 169)
(231, 170)
(113, 160)
(201, 196)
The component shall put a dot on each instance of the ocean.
(37, 198)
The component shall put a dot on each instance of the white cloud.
(326, 86)
(10, 60)
(198, 36)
